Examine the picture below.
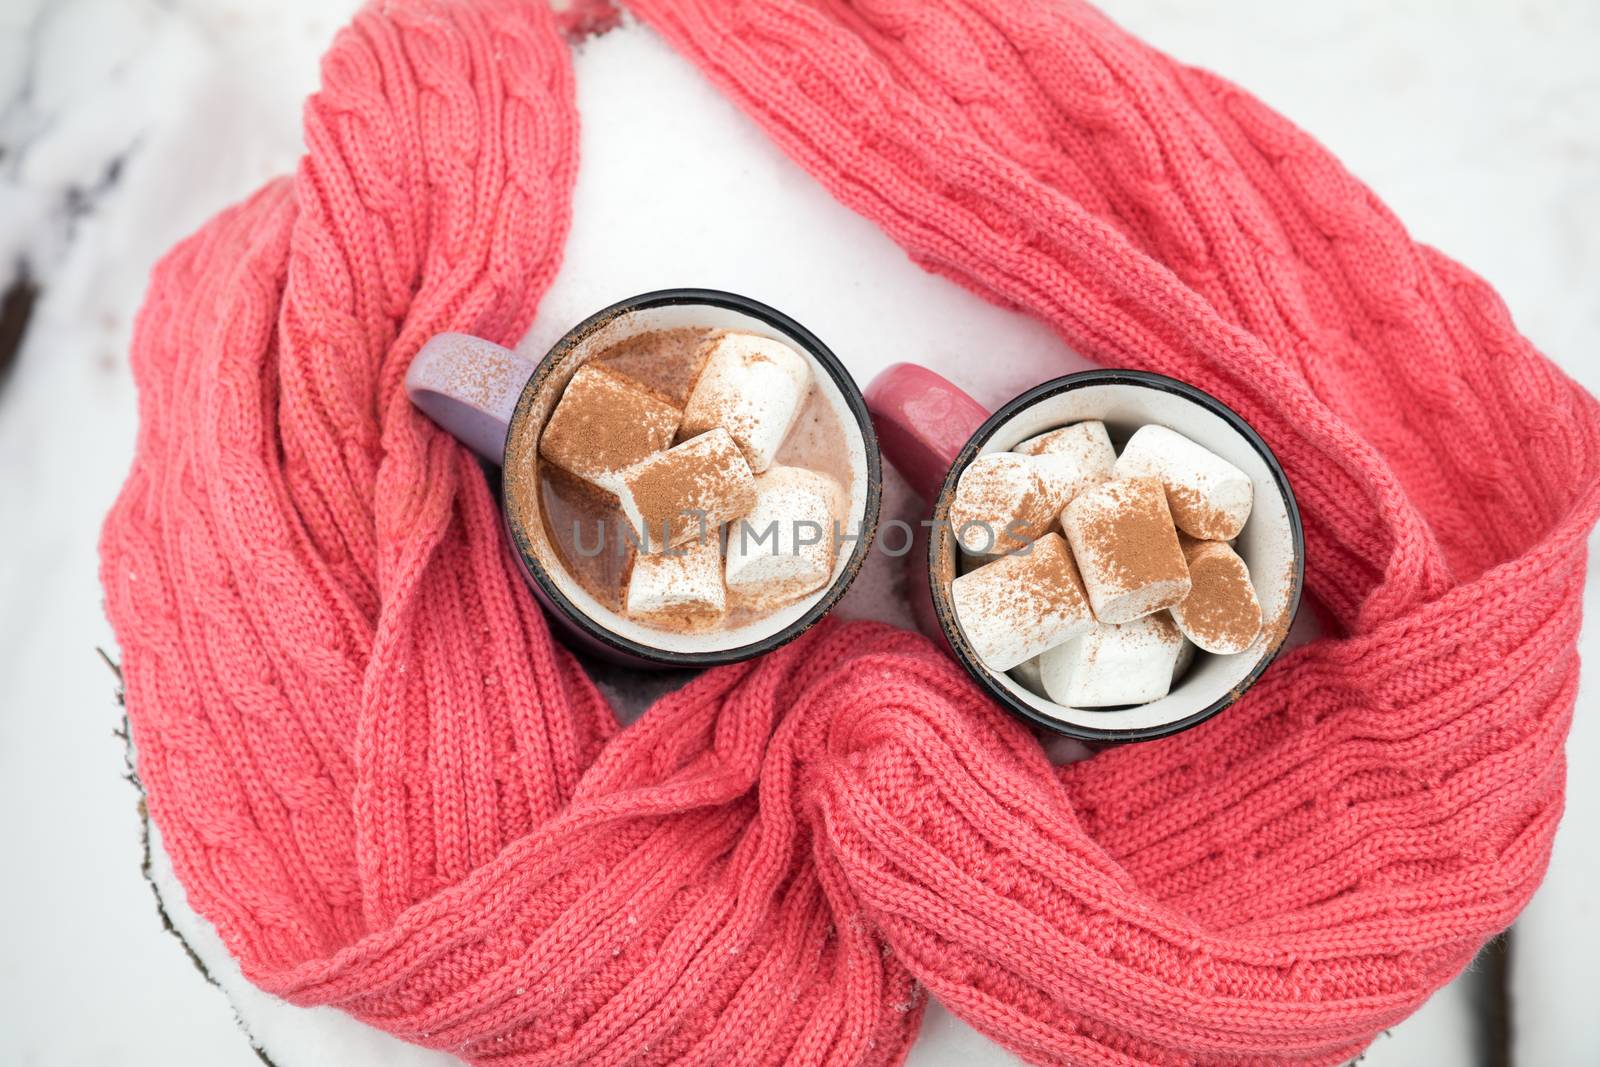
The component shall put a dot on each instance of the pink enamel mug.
(930, 430)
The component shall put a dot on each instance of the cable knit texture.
(392, 792)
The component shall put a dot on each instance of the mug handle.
(470, 387)
(923, 421)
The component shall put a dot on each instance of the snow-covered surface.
(125, 123)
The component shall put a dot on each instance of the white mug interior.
(522, 463)
(1267, 544)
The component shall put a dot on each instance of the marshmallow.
(687, 490)
(1014, 608)
(681, 586)
(1221, 613)
(1086, 445)
(783, 548)
(1112, 666)
(1001, 502)
(1127, 549)
(752, 387)
(1063, 478)
(604, 423)
(1071, 459)
(1209, 497)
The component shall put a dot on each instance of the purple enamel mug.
(496, 402)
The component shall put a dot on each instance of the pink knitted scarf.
(391, 792)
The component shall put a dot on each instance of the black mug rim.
(945, 613)
(854, 400)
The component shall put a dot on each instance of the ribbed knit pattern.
(391, 792)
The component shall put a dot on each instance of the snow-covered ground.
(125, 123)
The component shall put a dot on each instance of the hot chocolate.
(690, 529)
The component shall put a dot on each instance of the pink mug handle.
(470, 387)
(923, 422)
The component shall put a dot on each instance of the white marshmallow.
(1085, 444)
(686, 491)
(1071, 459)
(1210, 498)
(783, 548)
(682, 584)
(1221, 613)
(1064, 477)
(1112, 666)
(1014, 608)
(752, 387)
(1002, 501)
(1126, 548)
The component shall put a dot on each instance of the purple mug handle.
(923, 423)
(470, 387)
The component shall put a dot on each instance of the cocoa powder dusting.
(605, 422)
(1221, 608)
(712, 478)
(1137, 539)
(667, 361)
(1191, 511)
(1057, 586)
(1166, 629)
(986, 499)
(1033, 591)
(1276, 629)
